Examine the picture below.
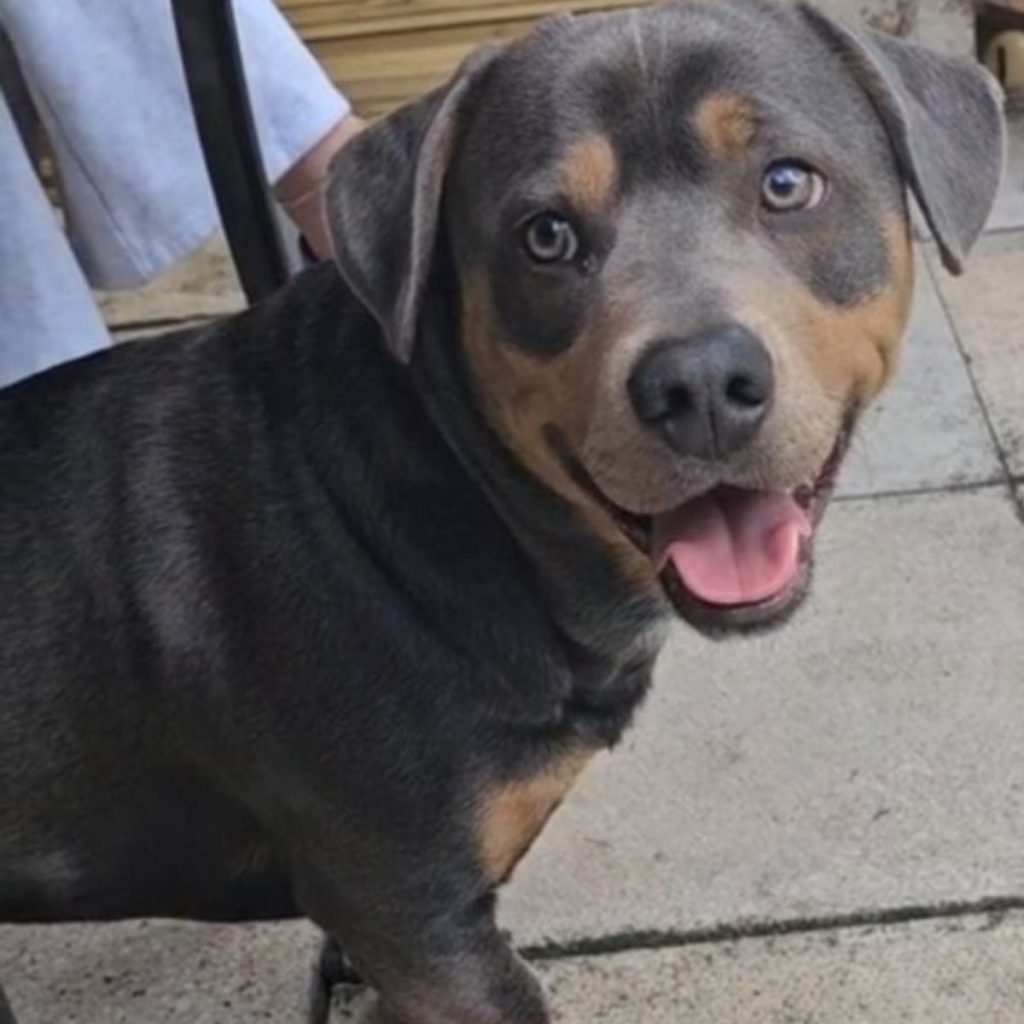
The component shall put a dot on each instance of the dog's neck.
(470, 549)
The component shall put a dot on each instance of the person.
(107, 82)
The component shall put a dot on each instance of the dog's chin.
(733, 598)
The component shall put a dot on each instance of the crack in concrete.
(651, 939)
(1016, 495)
(969, 487)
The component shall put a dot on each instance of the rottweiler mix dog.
(320, 611)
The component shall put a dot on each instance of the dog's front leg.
(480, 980)
(431, 964)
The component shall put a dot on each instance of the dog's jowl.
(320, 611)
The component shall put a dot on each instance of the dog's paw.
(353, 1004)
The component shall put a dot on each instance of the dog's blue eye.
(550, 238)
(788, 186)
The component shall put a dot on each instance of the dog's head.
(680, 242)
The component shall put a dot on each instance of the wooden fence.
(382, 52)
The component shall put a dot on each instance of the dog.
(320, 611)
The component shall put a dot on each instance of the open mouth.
(731, 557)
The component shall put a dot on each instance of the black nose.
(707, 394)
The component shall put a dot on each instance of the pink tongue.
(733, 546)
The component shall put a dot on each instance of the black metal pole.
(220, 102)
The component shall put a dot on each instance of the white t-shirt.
(107, 80)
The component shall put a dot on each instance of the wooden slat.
(384, 52)
(379, 72)
(320, 19)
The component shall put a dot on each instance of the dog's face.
(682, 250)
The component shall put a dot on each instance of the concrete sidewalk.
(821, 826)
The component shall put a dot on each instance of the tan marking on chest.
(726, 124)
(513, 814)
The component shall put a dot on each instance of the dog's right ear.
(944, 120)
(384, 202)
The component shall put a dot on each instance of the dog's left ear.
(945, 123)
(383, 203)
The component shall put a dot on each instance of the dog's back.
(140, 490)
(229, 559)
